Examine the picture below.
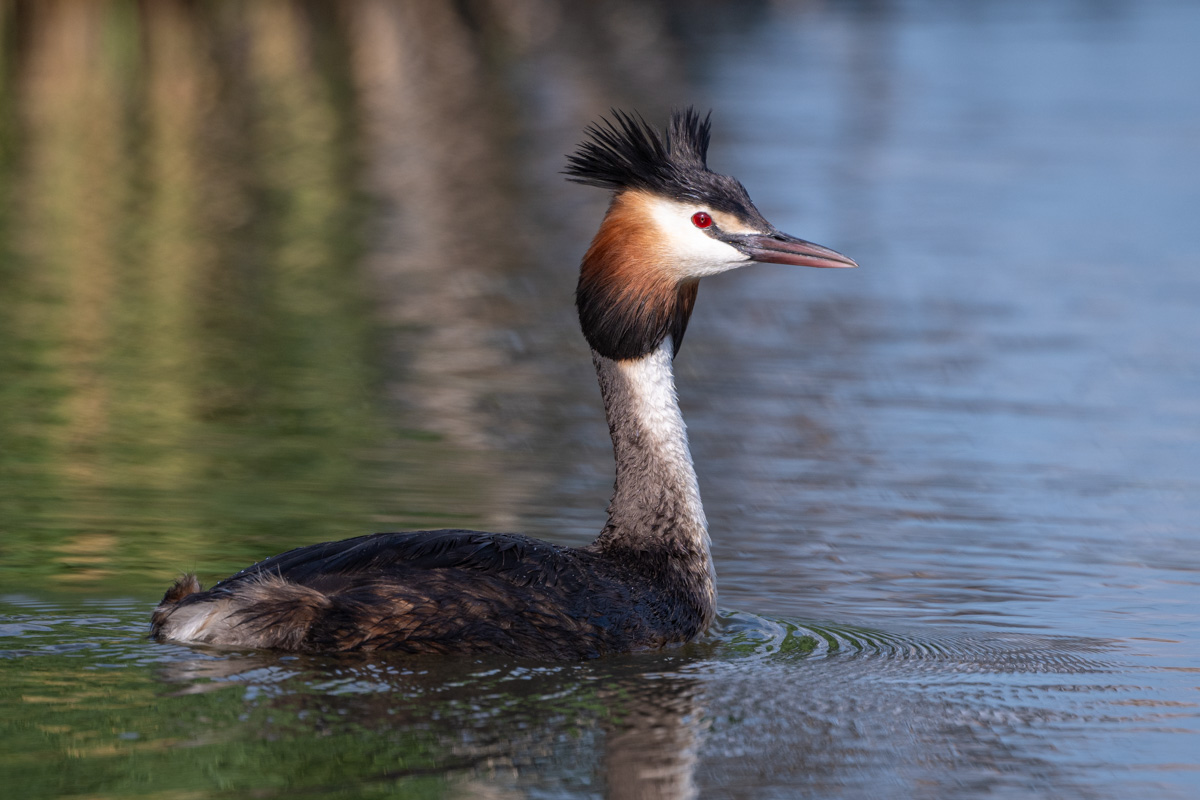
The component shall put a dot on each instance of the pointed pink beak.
(779, 248)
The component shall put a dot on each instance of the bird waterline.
(647, 581)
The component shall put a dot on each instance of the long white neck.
(655, 511)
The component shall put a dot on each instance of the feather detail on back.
(445, 591)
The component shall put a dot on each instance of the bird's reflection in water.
(652, 751)
(631, 725)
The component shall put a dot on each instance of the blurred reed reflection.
(278, 272)
(285, 271)
(180, 282)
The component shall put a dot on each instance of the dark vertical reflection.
(289, 271)
(465, 112)
(653, 751)
(278, 272)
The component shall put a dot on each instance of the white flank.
(196, 623)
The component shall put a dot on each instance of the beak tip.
(784, 249)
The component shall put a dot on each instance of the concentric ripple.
(739, 633)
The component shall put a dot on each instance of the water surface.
(292, 273)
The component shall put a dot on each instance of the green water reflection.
(89, 710)
(289, 271)
(186, 342)
(104, 720)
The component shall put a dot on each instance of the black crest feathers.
(626, 152)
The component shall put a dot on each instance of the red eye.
(701, 220)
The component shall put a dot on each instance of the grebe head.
(671, 222)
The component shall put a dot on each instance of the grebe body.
(647, 581)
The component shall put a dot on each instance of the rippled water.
(759, 705)
(263, 287)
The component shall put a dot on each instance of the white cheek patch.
(690, 250)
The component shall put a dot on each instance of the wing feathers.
(528, 560)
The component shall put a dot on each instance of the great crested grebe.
(647, 580)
